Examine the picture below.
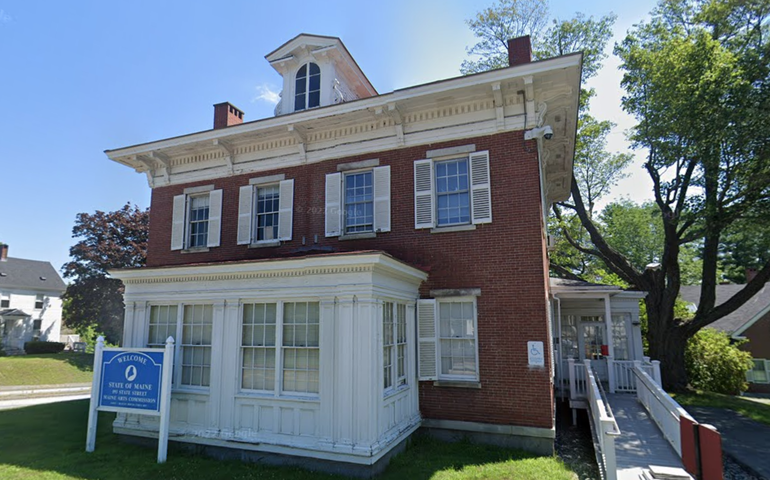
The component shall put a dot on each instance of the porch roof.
(13, 312)
(564, 286)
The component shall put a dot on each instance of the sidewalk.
(28, 402)
(746, 440)
(37, 391)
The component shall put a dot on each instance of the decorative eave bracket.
(497, 93)
(229, 152)
(529, 102)
(394, 113)
(301, 139)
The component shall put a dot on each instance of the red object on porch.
(710, 452)
(605, 350)
(689, 448)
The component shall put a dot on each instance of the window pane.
(453, 201)
(198, 221)
(301, 352)
(162, 325)
(196, 344)
(457, 336)
(258, 355)
(267, 202)
(359, 206)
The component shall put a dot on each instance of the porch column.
(610, 343)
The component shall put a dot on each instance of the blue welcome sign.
(131, 380)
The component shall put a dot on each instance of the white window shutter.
(177, 222)
(245, 204)
(426, 345)
(333, 200)
(481, 192)
(424, 211)
(381, 181)
(215, 218)
(285, 209)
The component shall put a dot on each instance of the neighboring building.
(750, 322)
(30, 301)
(360, 265)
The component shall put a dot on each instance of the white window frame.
(344, 206)
(750, 373)
(189, 221)
(39, 298)
(176, 383)
(467, 192)
(278, 391)
(5, 297)
(463, 299)
(307, 87)
(255, 210)
(399, 382)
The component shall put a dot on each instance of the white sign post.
(132, 380)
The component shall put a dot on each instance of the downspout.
(560, 374)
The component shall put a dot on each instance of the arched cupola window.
(307, 87)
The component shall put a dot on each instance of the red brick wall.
(759, 338)
(505, 259)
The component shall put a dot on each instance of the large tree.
(697, 79)
(107, 240)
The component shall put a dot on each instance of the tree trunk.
(667, 342)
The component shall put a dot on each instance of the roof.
(30, 274)
(734, 321)
(13, 312)
(565, 286)
(566, 282)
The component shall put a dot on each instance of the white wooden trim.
(333, 210)
(285, 209)
(245, 205)
(179, 214)
(427, 340)
(215, 218)
(480, 187)
(424, 194)
(381, 203)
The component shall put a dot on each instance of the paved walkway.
(28, 402)
(746, 440)
(640, 443)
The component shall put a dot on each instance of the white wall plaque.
(536, 354)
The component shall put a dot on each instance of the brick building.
(360, 265)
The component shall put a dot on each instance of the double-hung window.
(194, 329)
(447, 343)
(5, 300)
(452, 191)
(196, 218)
(307, 87)
(39, 301)
(358, 202)
(280, 347)
(265, 210)
(393, 345)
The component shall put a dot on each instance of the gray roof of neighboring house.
(566, 282)
(30, 274)
(732, 322)
(13, 312)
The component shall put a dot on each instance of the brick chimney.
(519, 51)
(3, 252)
(226, 114)
(750, 274)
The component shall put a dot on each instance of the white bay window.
(192, 363)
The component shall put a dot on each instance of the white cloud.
(266, 94)
(4, 17)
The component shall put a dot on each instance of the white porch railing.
(663, 409)
(577, 380)
(621, 374)
(603, 422)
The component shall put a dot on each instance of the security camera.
(545, 131)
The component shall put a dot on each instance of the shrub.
(715, 364)
(43, 347)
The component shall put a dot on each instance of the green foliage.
(107, 240)
(88, 334)
(750, 408)
(37, 347)
(715, 364)
(745, 244)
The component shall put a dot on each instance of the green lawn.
(46, 369)
(748, 408)
(47, 442)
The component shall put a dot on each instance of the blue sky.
(77, 78)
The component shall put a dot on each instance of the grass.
(47, 442)
(46, 369)
(748, 408)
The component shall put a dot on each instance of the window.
(293, 326)
(307, 87)
(196, 218)
(452, 192)
(193, 356)
(39, 301)
(760, 373)
(267, 213)
(393, 345)
(359, 202)
(569, 337)
(37, 325)
(197, 324)
(198, 226)
(5, 300)
(620, 336)
(457, 339)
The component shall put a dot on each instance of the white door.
(593, 343)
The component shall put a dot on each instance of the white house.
(30, 301)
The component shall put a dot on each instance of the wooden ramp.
(640, 443)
